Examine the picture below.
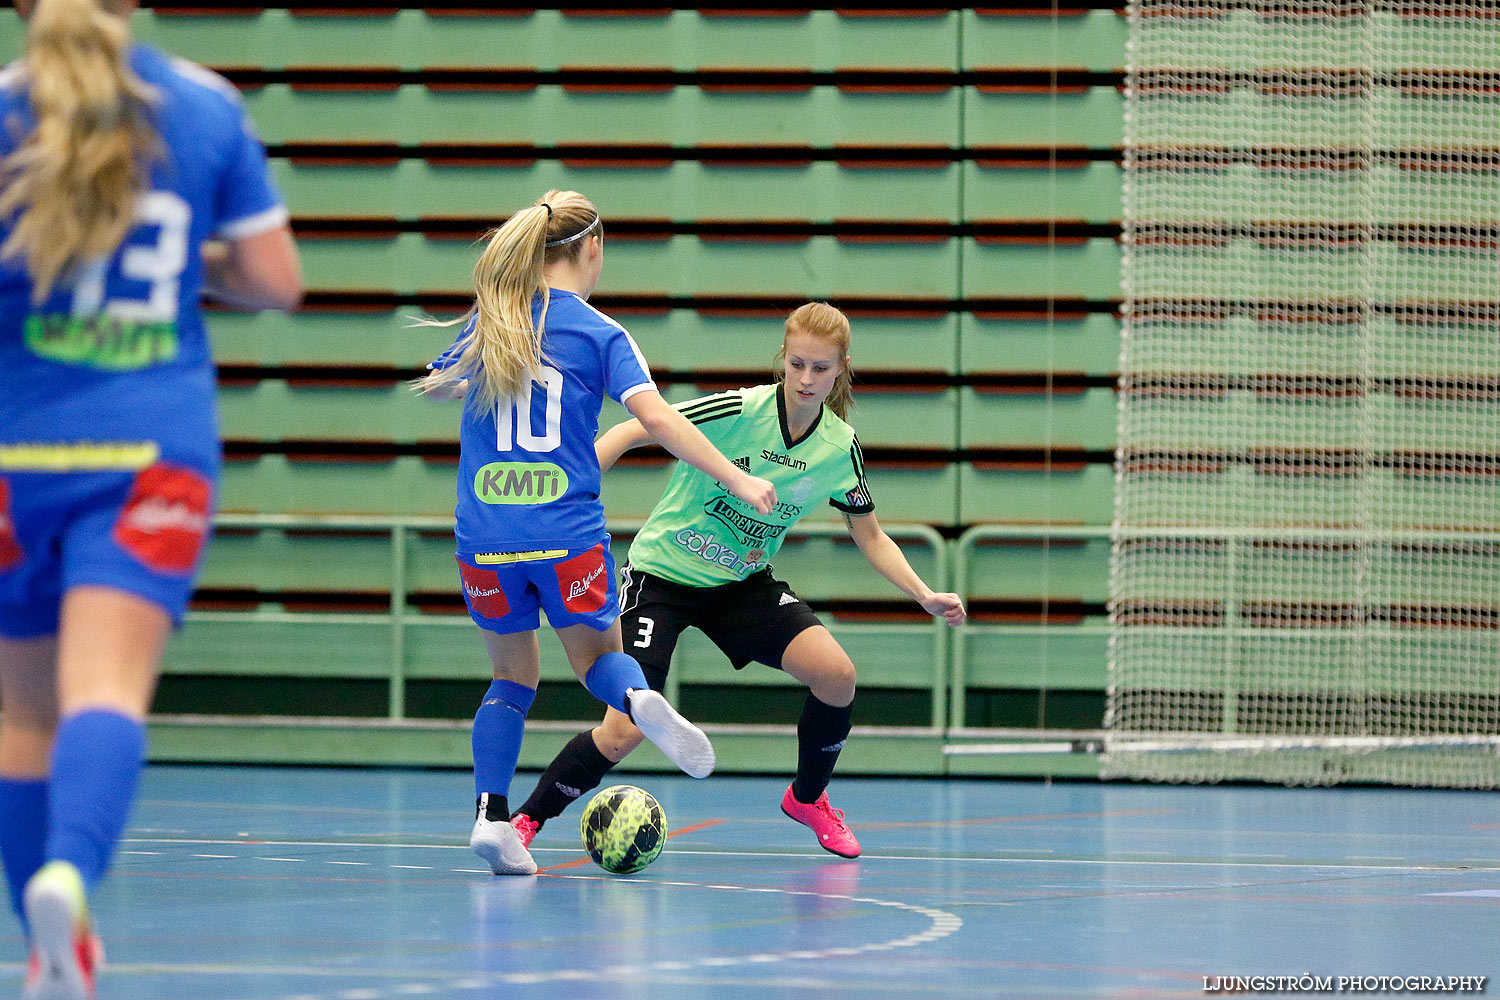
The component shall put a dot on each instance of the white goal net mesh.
(1305, 583)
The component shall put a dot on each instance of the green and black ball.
(623, 829)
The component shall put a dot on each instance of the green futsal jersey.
(701, 535)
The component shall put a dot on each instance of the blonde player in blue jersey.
(533, 363)
(703, 560)
(132, 182)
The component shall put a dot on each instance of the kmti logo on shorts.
(582, 582)
(483, 590)
(165, 518)
(105, 342)
(520, 483)
(10, 548)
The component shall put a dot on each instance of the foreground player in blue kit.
(533, 363)
(704, 561)
(133, 182)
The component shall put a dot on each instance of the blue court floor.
(308, 884)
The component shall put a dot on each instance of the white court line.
(1468, 864)
(941, 925)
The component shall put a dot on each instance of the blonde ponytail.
(72, 184)
(823, 321)
(504, 350)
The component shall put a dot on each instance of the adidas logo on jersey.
(787, 599)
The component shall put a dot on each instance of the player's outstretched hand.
(948, 607)
(757, 492)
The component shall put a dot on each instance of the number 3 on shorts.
(647, 627)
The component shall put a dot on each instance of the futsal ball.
(623, 829)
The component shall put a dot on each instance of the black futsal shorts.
(754, 619)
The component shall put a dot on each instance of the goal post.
(1305, 569)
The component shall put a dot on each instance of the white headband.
(576, 236)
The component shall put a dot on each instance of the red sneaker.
(824, 820)
(65, 954)
(526, 828)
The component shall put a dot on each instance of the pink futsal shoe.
(65, 954)
(526, 828)
(824, 820)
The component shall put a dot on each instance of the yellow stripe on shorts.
(79, 456)
(500, 558)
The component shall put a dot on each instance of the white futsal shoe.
(65, 954)
(683, 743)
(497, 842)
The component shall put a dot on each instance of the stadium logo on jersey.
(786, 460)
(746, 528)
(483, 591)
(105, 342)
(520, 483)
(10, 548)
(582, 582)
(165, 518)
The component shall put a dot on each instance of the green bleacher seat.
(374, 339)
(904, 417)
(1091, 119)
(673, 340)
(275, 410)
(1056, 658)
(1067, 494)
(271, 560)
(342, 647)
(277, 484)
(1088, 191)
(1032, 39)
(1061, 568)
(551, 39)
(1087, 270)
(685, 340)
(1008, 419)
(549, 114)
(1088, 342)
(685, 190)
(818, 267)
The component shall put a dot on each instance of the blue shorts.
(506, 590)
(140, 532)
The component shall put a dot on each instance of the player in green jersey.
(703, 560)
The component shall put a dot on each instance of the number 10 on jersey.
(513, 424)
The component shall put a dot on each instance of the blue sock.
(611, 675)
(23, 834)
(498, 727)
(96, 760)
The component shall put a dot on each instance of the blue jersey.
(117, 354)
(528, 478)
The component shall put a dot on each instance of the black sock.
(493, 808)
(820, 736)
(577, 768)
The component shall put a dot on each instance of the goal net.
(1305, 579)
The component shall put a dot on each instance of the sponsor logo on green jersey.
(746, 528)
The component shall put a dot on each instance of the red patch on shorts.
(582, 582)
(166, 517)
(482, 587)
(10, 548)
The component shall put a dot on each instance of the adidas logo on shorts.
(787, 599)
